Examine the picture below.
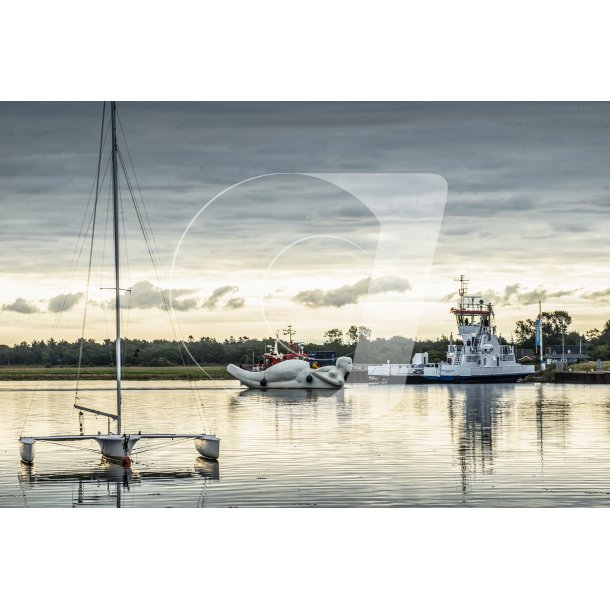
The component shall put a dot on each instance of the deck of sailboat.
(89, 437)
(118, 446)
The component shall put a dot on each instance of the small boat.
(117, 445)
(481, 357)
(295, 350)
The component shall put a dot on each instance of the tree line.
(207, 350)
(246, 350)
(556, 326)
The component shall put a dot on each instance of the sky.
(318, 215)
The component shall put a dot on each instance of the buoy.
(126, 461)
(309, 379)
(263, 382)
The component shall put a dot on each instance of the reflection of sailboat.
(89, 491)
(88, 485)
(208, 469)
(107, 470)
(113, 472)
(117, 445)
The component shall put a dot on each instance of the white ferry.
(480, 359)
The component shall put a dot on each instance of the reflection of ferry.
(479, 359)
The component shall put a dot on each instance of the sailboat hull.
(27, 450)
(115, 447)
(208, 446)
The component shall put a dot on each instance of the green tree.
(352, 334)
(552, 324)
(334, 336)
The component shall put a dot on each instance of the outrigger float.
(480, 359)
(117, 446)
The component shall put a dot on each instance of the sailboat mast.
(115, 217)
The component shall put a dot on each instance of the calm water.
(367, 445)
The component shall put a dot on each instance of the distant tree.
(364, 333)
(334, 336)
(593, 335)
(352, 334)
(552, 324)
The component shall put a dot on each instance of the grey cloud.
(570, 226)
(509, 166)
(388, 284)
(20, 305)
(235, 303)
(540, 294)
(512, 290)
(185, 304)
(64, 302)
(216, 297)
(600, 295)
(145, 295)
(512, 293)
(350, 293)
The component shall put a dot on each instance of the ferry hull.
(422, 379)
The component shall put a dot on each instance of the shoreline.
(140, 373)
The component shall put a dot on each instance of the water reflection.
(108, 483)
(481, 414)
(540, 424)
(496, 445)
(290, 397)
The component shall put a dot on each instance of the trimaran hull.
(116, 446)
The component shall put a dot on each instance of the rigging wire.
(104, 309)
(153, 252)
(158, 445)
(97, 193)
(125, 304)
(151, 247)
(76, 254)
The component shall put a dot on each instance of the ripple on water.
(502, 445)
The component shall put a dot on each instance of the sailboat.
(117, 446)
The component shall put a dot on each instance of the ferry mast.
(473, 316)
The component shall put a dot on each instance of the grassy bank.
(588, 366)
(130, 373)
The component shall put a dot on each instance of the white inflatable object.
(295, 374)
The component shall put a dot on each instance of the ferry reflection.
(108, 482)
(473, 436)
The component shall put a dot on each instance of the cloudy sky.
(366, 212)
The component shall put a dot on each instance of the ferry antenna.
(463, 283)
